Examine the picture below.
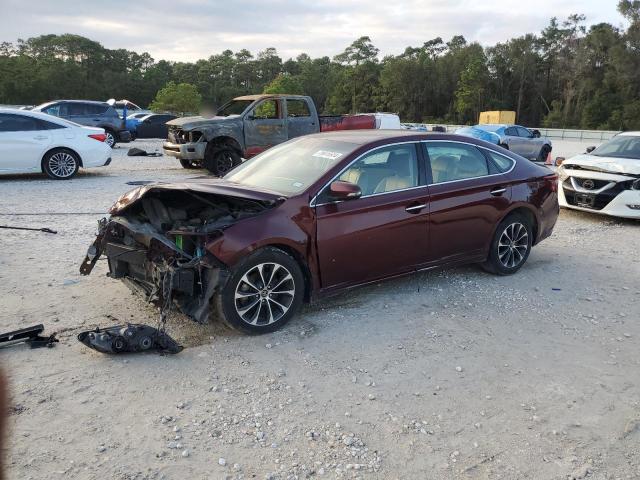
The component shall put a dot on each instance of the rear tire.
(190, 164)
(544, 152)
(111, 139)
(511, 245)
(220, 159)
(262, 293)
(61, 164)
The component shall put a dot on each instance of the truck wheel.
(190, 164)
(220, 159)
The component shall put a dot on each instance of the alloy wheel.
(264, 294)
(62, 164)
(513, 245)
(110, 139)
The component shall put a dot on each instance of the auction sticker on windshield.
(326, 154)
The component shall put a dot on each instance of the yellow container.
(497, 116)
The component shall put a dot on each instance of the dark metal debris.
(30, 335)
(130, 338)
(45, 230)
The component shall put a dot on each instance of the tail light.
(552, 181)
(101, 137)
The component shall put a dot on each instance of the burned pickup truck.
(251, 124)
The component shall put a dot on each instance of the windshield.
(234, 107)
(489, 128)
(622, 146)
(293, 166)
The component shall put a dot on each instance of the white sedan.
(605, 180)
(37, 142)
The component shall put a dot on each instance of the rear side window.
(511, 132)
(93, 109)
(455, 161)
(523, 132)
(298, 108)
(502, 163)
(76, 109)
(18, 123)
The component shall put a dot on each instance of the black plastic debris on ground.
(138, 152)
(130, 338)
(29, 335)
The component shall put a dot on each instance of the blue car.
(523, 141)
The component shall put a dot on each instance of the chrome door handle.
(498, 191)
(416, 208)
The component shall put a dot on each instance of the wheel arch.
(530, 214)
(300, 260)
(224, 141)
(59, 148)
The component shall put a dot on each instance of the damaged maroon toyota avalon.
(323, 213)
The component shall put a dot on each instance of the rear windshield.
(291, 167)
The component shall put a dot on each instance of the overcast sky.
(187, 30)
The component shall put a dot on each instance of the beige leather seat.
(443, 168)
(399, 165)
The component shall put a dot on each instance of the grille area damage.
(156, 242)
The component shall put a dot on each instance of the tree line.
(569, 75)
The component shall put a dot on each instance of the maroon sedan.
(323, 213)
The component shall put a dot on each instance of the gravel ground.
(452, 374)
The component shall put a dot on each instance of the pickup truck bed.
(331, 123)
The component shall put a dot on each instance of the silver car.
(523, 141)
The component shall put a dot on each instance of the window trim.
(419, 159)
(428, 161)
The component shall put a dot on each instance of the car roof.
(362, 137)
(630, 134)
(267, 95)
(36, 114)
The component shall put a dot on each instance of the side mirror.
(590, 149)
(340, 190)
(535, 133)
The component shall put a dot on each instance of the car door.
(299, 119)
(514, 141)
(265, 126)
(469, 195)
(23, 142)
(382, 233)
(528, 142)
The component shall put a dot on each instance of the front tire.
(61, 164)
(220, 159)
(262, 293)
(511, 245)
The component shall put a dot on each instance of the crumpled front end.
(156, 242)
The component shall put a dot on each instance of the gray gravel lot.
(452, 374)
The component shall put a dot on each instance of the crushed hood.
(201, 185)
(626, 166)
(189, 123)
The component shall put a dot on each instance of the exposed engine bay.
(156, 242)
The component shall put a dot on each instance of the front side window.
(384, 170)
(298, 108)
(455, 161)
(266, 110)
(55, 110)
(18, 123)
(511, 132)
